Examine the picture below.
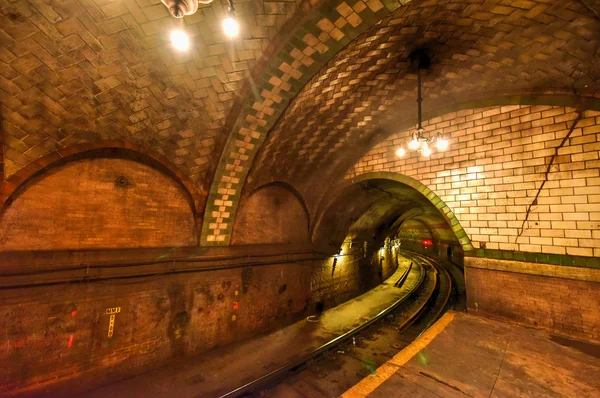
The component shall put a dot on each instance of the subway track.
(344, 364)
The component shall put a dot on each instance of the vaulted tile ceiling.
(75, 71)
(480, 51)
(308, 86)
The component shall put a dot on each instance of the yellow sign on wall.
(111, 322)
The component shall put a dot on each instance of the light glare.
(400, 152)
(414, 144)
(180, 40)
(426, 151)
(442, 144)
(231, 27)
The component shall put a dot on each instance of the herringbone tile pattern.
(75, 71)
(480, 50)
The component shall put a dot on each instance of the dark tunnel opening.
(369, 212)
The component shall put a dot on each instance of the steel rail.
(281, 371)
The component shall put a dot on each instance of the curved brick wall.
(271, 215)
(496, 165)
(84, 205)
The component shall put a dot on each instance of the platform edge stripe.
(385, 371)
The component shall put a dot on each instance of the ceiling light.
(419, 142)
(441, 143)
(400, 152)
(180, 8)
(426, 151)
(231, 27)
(180, 40)
(414, 143)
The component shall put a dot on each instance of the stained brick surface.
(562, 305)
(55, 334)
(270, 215)
(495, 167)
(99, 203)
(353, 275)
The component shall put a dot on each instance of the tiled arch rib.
(323, 35)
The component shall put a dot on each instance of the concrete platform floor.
(467, 356)
(222, 370)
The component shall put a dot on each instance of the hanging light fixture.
(230, 25)
(180, 8)
(418, 141)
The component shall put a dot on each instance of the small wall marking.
(111, 321)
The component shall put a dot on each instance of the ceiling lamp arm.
(419, 97)
(419, 142)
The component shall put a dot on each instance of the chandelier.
(418, 141)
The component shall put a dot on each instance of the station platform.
(222, 370)
(464, 355)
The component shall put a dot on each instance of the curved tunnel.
(374, 210)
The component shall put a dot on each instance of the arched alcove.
(96, 203)
(274, 213)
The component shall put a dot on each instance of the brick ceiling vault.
(76, 72)
(512, 51)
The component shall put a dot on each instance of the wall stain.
(246, 279)
(180, 319)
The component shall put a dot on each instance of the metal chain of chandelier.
(419, 142)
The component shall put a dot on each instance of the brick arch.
(291, 152)
(290, 188)
(273, 213)
(501, 173)
(431, 231)
(427, 193)
(16, 183)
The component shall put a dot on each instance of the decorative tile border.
(541, 258)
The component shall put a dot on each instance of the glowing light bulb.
(400, 152)
(442, 144)
(180, 40)
(414, 144)
(231, 27)
(426, 151)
